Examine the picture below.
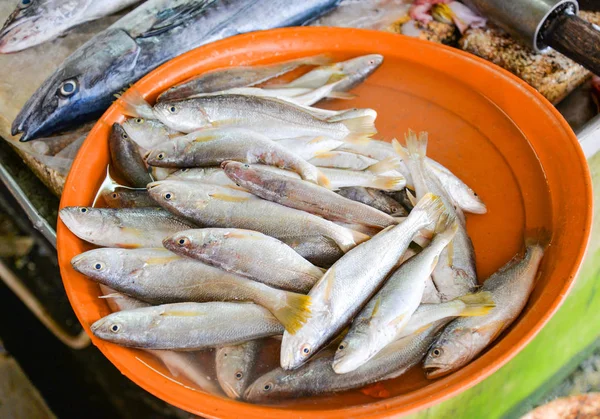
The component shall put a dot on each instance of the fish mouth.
(76, 261)
(436, 371)
(230, 390)
(8, 30)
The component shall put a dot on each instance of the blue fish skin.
(83, 87)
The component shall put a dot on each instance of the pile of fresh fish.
(248, 214)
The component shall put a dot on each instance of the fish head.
(273, 385)
(167, 154)
(127, 328)
(104, 265)
(147, 133)
(298, 348)
(205, 241)
(36, 21)
(240, 173)
(451, 351)
(174, 194)
(81, 88)
(353, 351)
(232, 373)
(184, 115)
(363, 65)
(84, 222)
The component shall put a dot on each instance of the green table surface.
(563, 343)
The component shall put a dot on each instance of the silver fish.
(152, 34)
(271, 117)
(351, 281)
(342, 160)
(159, 276)
(126, 158)
(465, 338)
(304, 196)
(235, 367)
(317, 377)
(122, 227)
(218, 206)
(340, 178)
(187, 326)
(353, 72)
(247, 253)
(179, 364)
(374, 198)
(390, 310)
(212, 147)
(455, 274)
(464, 196)
(242, 76)
(34, 22)
(148, 133)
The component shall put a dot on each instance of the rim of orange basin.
(270, 46)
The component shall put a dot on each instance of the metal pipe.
(32, 213)
(524, 19)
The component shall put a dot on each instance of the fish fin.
(385, 165)
(329, 286)
(400, 150)
(335, 77)
(388, 183)
(324, 154)
(341, 95)
(134, 104)
(201, 138)
(399, 219)
(397, 320)
(361, 129)
(317, 139)
(376, 307)
(538, 237)
(411, 197)
(323, 180)
(446, 224)
(228, 198)
(317, 60)
(432, 205)
(111, 295)
(477, 304)
(295, 312)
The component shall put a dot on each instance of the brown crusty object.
(551, 73)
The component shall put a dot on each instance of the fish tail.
(477, 304)
(417, 146)
(538, 237)
(400, 150)
(433, 207)
(134, 104)
(446, 225)
(385, 165)
(356, 237)
(295, 312)
(361, 129)
(388, 183)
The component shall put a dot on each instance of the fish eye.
(68, 88)
(239, 375)
(83, 210)
(98, 266)
(115, 328)
(173, 109)
(268, 387)
(125, 136)
(160, 156)
(437, 352)
(114, 195)
(25, 4)
(306, 349)
(247, 166)
(139, 120)
(168, 196)
(183, 241)
(341, 347)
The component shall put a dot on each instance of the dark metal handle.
(575, 38)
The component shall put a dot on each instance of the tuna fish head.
(81, 88)
(32, 22)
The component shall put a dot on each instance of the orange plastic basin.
(490, 128)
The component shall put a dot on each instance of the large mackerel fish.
(158, 30)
